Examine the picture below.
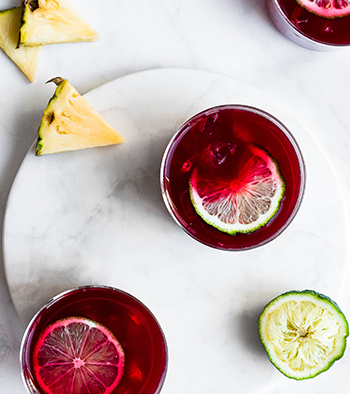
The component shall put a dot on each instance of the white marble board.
(97, 217)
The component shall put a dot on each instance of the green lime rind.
(251, 227)
(247, 230)
(304, 295)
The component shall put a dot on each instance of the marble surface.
(234, 39)
(97, 217)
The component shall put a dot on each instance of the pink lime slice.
(244, 196)
(329, 9)
(77, 355)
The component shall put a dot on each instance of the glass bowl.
(229, 124)
(132, 323)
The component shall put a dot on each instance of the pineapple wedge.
(26, 59)
(70, 123)
(47, 22)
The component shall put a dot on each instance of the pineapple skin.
(26, 59)
(69, 123)
(53, 22)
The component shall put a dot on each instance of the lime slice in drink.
(241, 195)
(303, 333)
(77, 355)
(329, 9)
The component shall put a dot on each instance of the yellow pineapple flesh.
(47, 22)
(26, 59)
(70, 123)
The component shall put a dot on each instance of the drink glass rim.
(300, 37)
(272, 119)
(25, 338)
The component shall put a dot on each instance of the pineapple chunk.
(26, 59)
(51, 22)
(70, 123)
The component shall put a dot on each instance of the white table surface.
(232, 38)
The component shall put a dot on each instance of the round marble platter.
(97, 217)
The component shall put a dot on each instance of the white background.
(230, 37)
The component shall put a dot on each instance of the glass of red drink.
(127, 318)
(322, 31)
(233, 125)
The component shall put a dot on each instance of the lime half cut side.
(303, 332)
(244, 201)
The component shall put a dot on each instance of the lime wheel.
(244, 201)
(329, 9)
(76, 356)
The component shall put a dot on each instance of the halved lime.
(329, 9)
(303, 332)
(245, 198)
(77, 355)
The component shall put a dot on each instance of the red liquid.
(328, 31)
(237, 125)
(130, 321)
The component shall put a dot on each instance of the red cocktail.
(229, 151)
(124, 316)
(315, 24)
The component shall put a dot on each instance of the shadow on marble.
(247, 323)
